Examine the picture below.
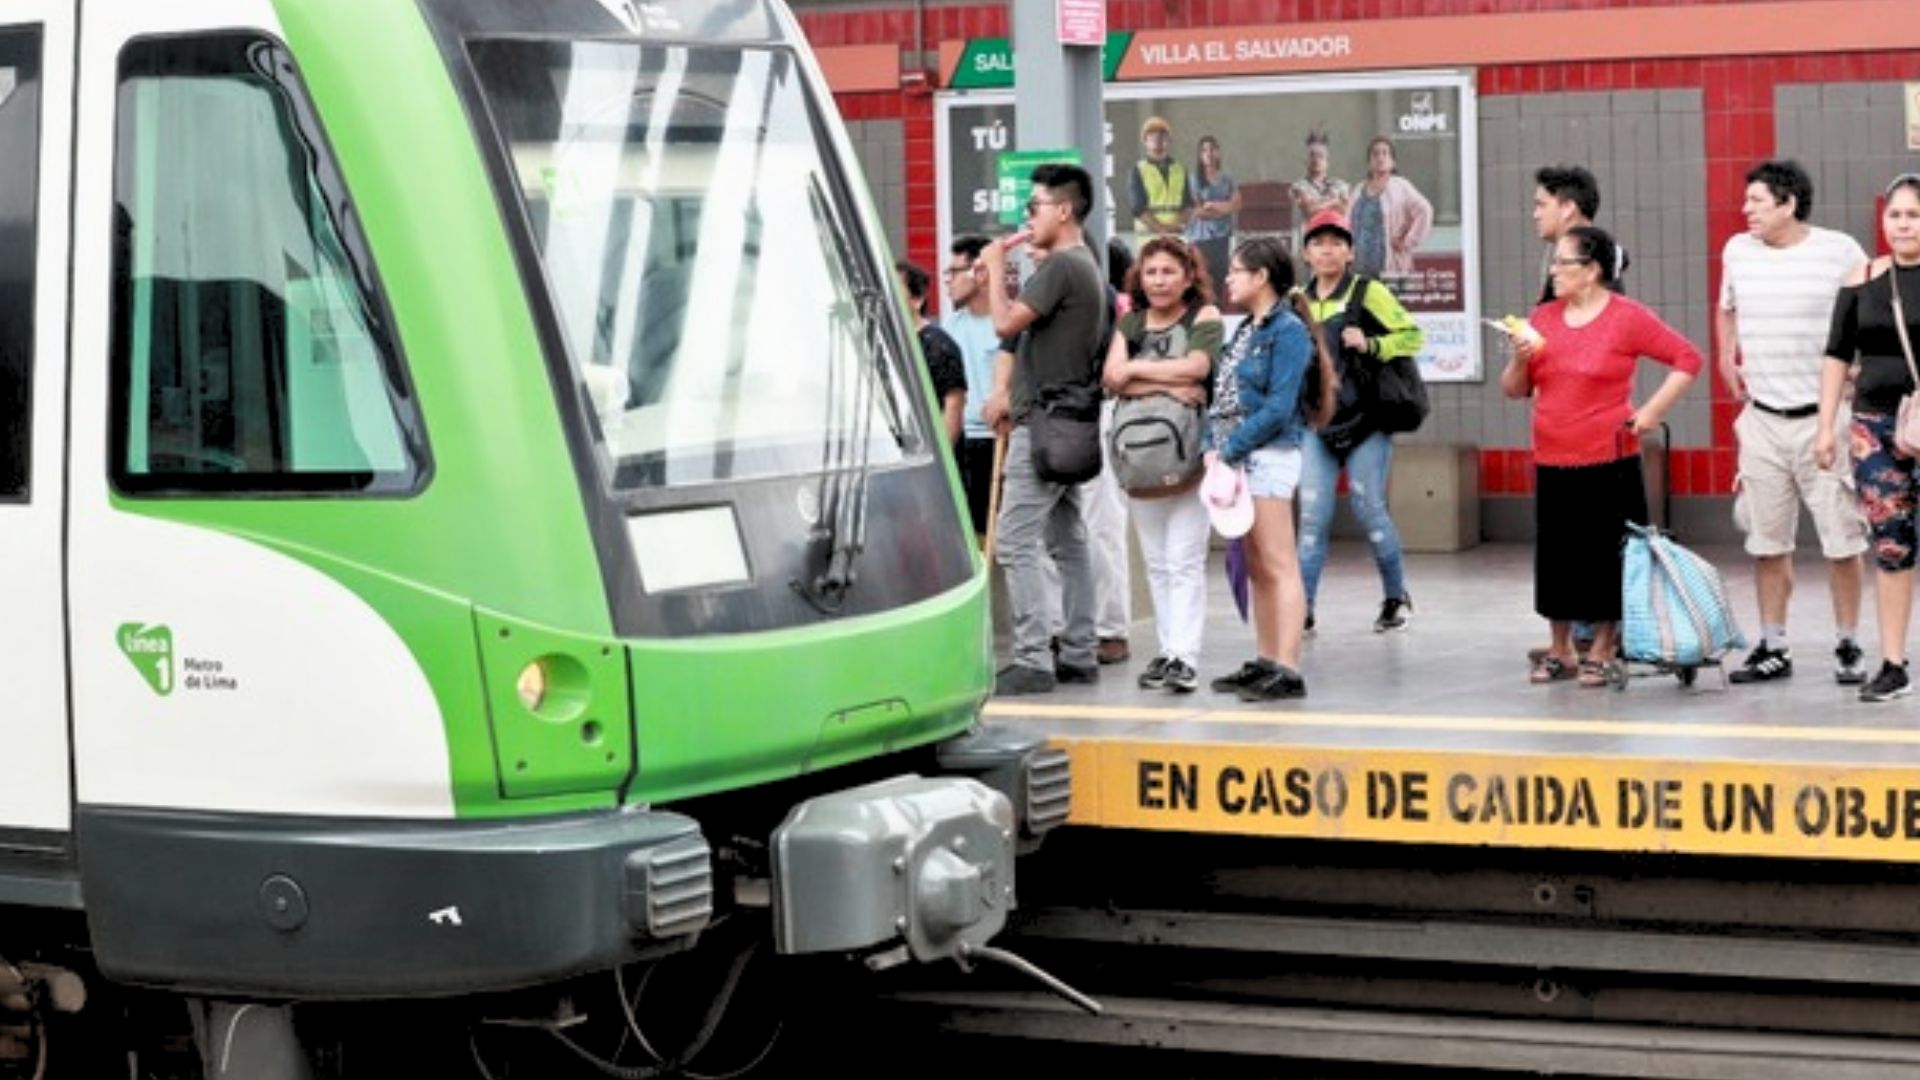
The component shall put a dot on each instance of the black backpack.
(1395, 393)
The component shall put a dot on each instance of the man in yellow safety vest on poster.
(1160, 196)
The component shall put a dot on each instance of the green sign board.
(1015, 173)
(987, 63)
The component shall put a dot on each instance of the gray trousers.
(1038, 518)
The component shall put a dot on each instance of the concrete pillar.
(1046, 74)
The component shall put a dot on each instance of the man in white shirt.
(1778, 284)
(970, 324)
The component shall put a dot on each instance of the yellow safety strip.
(1513, 800)
(1578, 801)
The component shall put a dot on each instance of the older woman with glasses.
(1876, 318)
(1578, 366)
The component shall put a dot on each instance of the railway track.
(1348, 959)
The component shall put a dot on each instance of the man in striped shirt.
(1777, 287)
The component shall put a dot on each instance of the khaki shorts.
(1777, 475)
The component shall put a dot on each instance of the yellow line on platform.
(1507, 725)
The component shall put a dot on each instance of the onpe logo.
(150, 650)
(1420, 114)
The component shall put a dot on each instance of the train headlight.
(532, 685)
(554, 686)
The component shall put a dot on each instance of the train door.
(36, 51)
(235, 412)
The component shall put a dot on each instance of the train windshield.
(724, 317)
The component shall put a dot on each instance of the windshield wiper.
(839, 535)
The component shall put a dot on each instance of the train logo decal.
(150, 650)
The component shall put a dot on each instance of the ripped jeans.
(1367, 466)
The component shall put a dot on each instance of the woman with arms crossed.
(1166, 345)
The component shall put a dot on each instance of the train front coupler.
(906, 869)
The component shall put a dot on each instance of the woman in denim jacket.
(1256, 420)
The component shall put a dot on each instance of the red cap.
(1328, 219)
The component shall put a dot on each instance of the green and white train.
(470, 510)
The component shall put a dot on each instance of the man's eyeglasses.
(1034, 204)
(952, 272)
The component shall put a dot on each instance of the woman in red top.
(1586, 447)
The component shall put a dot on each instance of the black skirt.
(1580, 515)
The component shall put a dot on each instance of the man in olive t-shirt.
(1068, 294)
(1062, 310)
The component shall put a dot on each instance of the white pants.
(1103, 506)
(1173, 543)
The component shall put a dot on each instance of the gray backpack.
(1154, 448)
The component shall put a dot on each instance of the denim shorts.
(1273, 472)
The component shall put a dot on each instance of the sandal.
(1541, 652)
(1551, 669)
(1593, 673)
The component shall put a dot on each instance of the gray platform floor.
(1456, 679)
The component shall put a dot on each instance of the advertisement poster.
(1395, 152)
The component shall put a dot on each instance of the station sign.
(987, 63)
(1599, 803)
(1766, 27)
(1081, 22)
(1014, 178)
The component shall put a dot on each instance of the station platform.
(1434, 735)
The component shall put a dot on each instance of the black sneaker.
(1181, 678)
(1251, 671)
(1155, 676)
(1849, 664)
(1074, 673)
(1309, 620)
(1890, 683)
(1763, 665)
(1395, 612)
(1279, 683)
(1017, 679)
